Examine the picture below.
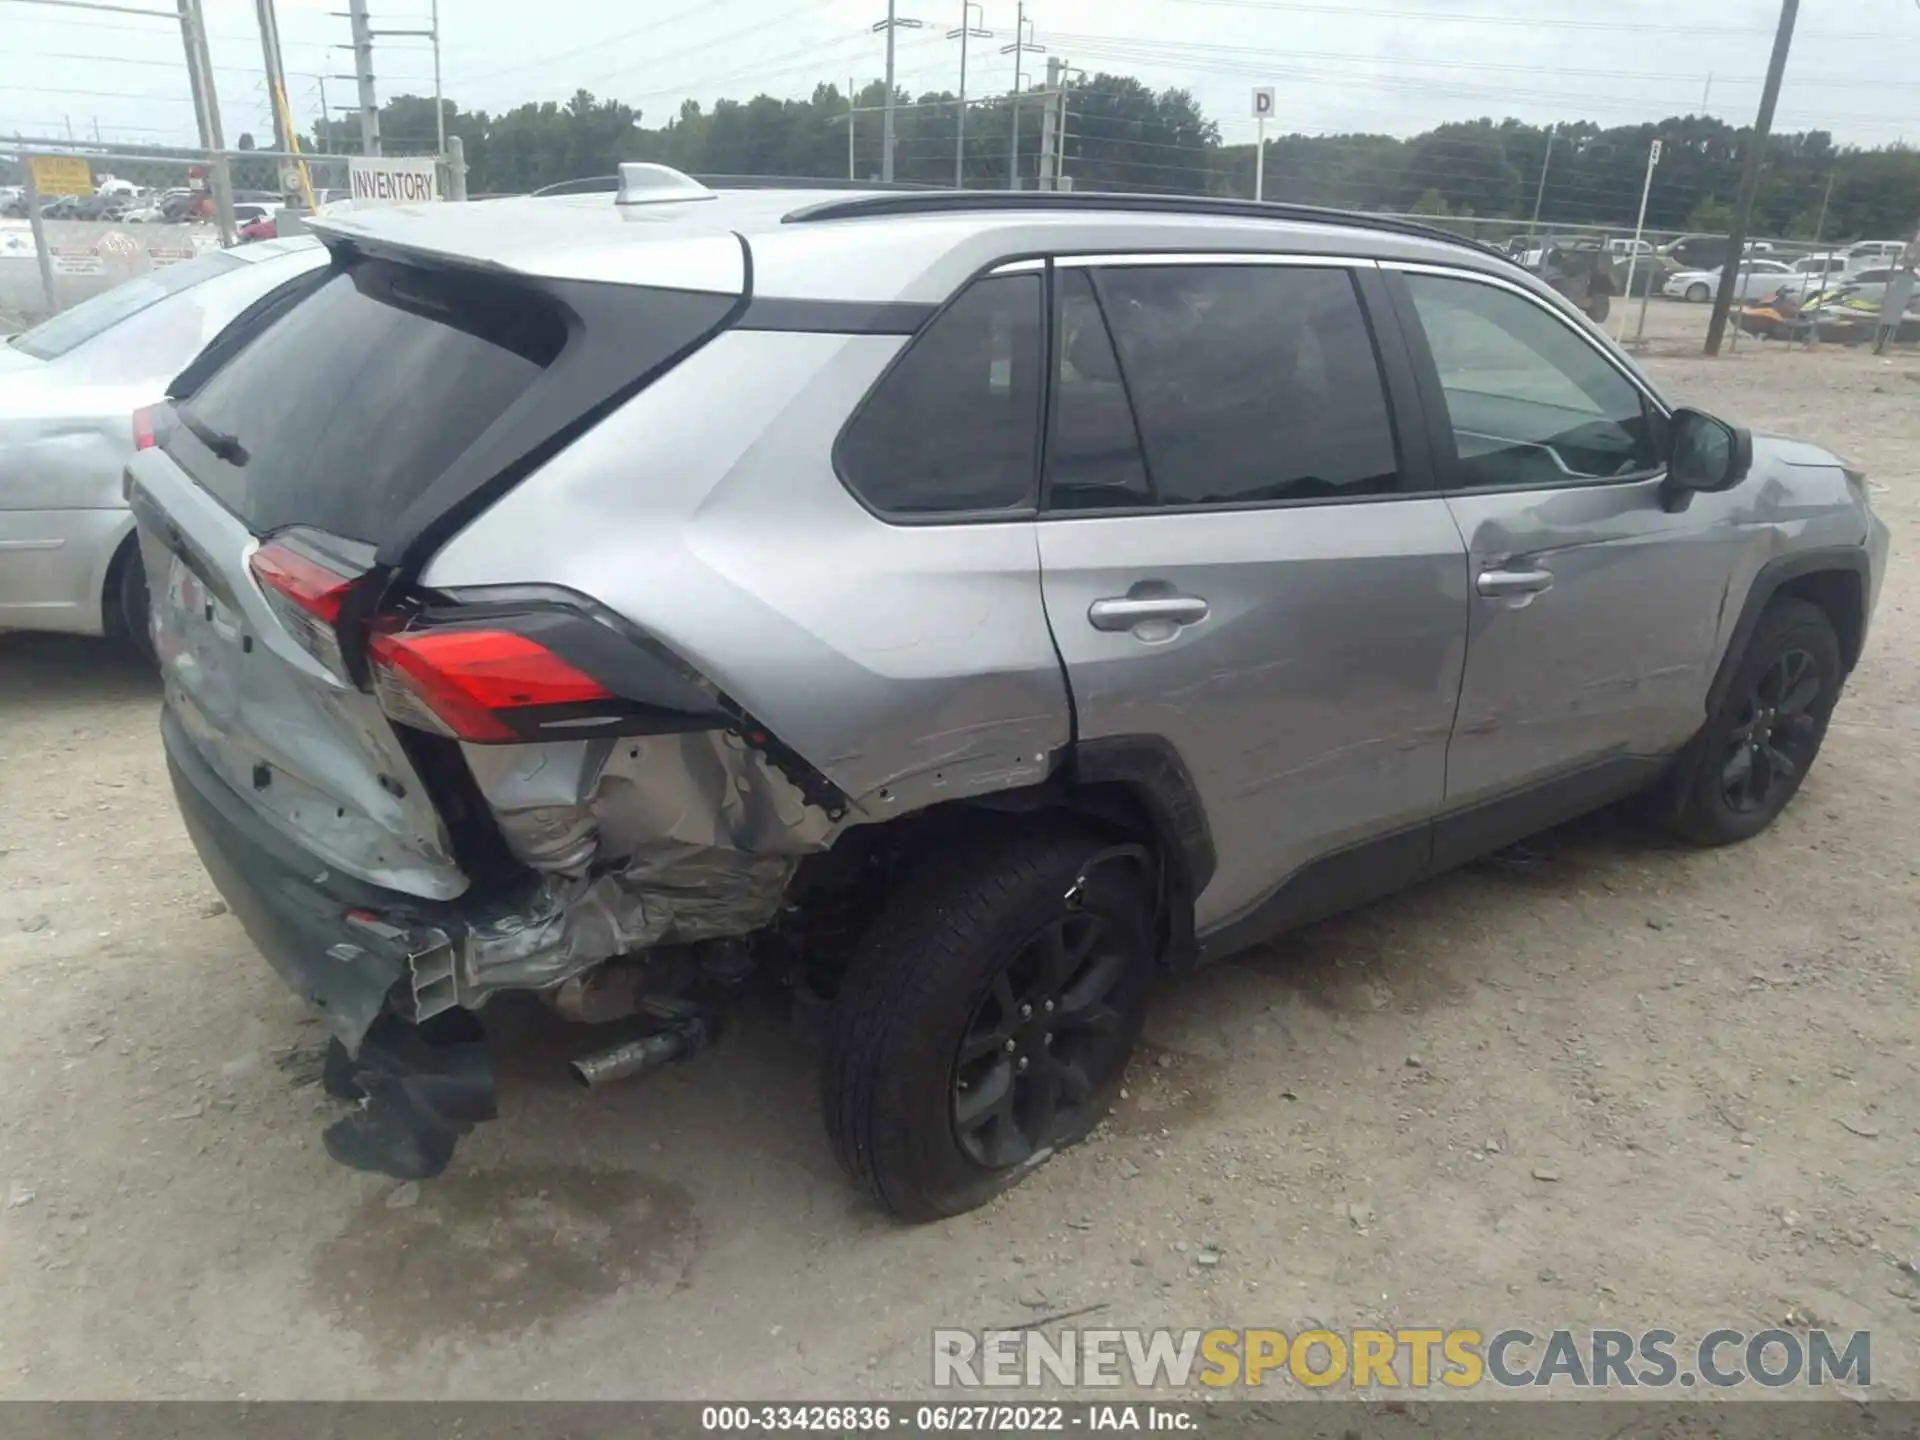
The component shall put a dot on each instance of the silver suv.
(956, 607)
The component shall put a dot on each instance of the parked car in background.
(948, 604)
(1756, 280)
(69, 391)
(1869, 254)
(1706, 252)
(159, 206)
(1812, 274)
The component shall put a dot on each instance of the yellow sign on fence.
(61, 175)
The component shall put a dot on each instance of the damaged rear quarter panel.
(909, 665)
(644, 841)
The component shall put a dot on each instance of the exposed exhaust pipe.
(636, 1057)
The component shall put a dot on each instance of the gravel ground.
(1630, 1085)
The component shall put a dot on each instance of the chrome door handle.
(1493, 583)
(1125, 612)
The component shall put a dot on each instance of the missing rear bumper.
(420, 1089)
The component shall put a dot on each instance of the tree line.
(1124, 135)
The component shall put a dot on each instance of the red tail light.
(311, 586)
(468, 683)
(306, 594)
(143, 431)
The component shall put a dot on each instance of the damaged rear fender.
(638, 841)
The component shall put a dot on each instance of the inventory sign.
(385, 180)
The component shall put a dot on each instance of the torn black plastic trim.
(1153, 770)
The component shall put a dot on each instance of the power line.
(1181, 49)
(1434, 17)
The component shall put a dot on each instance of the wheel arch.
(1138, 788)
(1833, 578)
(113, 560)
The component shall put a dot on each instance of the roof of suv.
(875, 245)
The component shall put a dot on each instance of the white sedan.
(68, 392)
(1758, 279)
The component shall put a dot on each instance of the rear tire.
(126, 606)
(1758, 746)
(986, 1020)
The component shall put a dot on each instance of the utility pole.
(1018, 49)
(286, 139)
(967, 27)
(1750, 174)
(851, 112)
(363, 75)
(439, 106)
(1060, 180)
(1705, 92)
(1043, 168)
(206, 112)
(892, 23)
(1541, 193)
(431, 33)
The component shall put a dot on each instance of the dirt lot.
(1633, 1085)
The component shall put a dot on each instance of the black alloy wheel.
(1758, 746)
(1776, 734)
(1044, 1041)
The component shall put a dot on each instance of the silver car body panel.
(66, 434)
(1616, 655)
(909, 664)
(1312, 705)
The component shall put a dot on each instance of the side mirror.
(1703, 454)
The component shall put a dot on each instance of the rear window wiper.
(224, 446)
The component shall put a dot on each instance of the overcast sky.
(1397, 66)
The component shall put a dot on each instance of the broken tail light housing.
(306, 590)
(483, 684)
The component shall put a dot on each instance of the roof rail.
(585, 185)
(610, 184)
(804, 182)
(938, 202)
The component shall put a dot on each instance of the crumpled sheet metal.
(643, 841)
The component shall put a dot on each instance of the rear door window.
(1093, 458)
(344, 410)
(1252, 384)
(954, 426)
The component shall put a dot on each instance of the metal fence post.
(39, 227)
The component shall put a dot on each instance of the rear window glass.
(343, 411)
(53, 338)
